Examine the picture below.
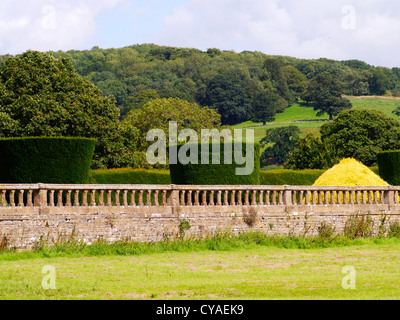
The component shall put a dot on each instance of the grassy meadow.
(230, 271)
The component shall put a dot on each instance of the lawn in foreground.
(255, 272)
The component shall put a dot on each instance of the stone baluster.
(211, 197)
(261, 197)
(29, 202)
(133, 198)
(76, 198)
(246, 198)
(204, 198)
(140, 198)
(85, 198)
(12, 198)
(21, 198)
(314, 197)
(196, 198)
(364, 197)
(273, 198)
(93, 198)
(307, 197)
(190, 198)
(340, 197)
(148, 198)
(182, 195)
(156, 201)
(219, 194)
(226, 202)
(370, 197)
(254, 198)
(116, 197)
(59, 198)
(352, 196)
(239, 198)
(294, 197)
(345, 197)
(357, 197)
(326, 197)
(109, 201)
(267, 200)
(3, 198)
(68, 200)
(124, 198)
(320, 197)
(164, 198)
(334, 197)
(101, 198)
(280, 197)
(51, 198)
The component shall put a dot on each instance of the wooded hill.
(237, 84)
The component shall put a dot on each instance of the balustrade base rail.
(49, 195)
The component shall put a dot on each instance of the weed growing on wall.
(359, 226)
(250, 218)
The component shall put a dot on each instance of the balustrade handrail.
(65, 195)
(200, 187)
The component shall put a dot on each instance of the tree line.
(117, 95)
(243, 86)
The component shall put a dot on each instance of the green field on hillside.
(307, 120)
(384, 104)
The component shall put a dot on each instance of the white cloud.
(367, 30)
(49, 25)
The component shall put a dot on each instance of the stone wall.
(29, 213)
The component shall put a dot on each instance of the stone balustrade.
(29, 212)
(47, 195)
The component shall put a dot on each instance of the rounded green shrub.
(217, 174)
(389, 166)
(58, 160)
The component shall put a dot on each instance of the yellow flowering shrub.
(349, 172)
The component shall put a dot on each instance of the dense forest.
(241, 86)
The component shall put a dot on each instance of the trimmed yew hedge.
(58, 160)
(130, 176)
(215, 174)
(143, 176)
(290, 177)
(389, 166)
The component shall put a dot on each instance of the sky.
(367, 30)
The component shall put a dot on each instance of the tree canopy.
(279, 143)
(361, 134)
(311, 153)
(44, 96)
(324, 93)
(158, 113)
